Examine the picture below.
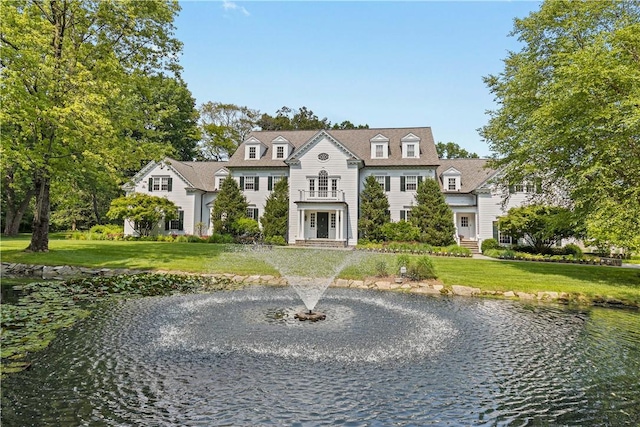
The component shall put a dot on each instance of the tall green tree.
(275, 220)
(303, 119)
(224, 127)
(432, 215)
(569, 110)
(68, 82)
(229, 206)
(451, 150)
(144, 211)
(374, 210)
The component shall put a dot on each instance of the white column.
(301, 224)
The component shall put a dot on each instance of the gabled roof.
(473, 173)
(356, 141)
(198, 175)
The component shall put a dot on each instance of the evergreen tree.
(432, 214)
(374, 210)
(275, 221)
(229, 206)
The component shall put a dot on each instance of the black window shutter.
(403, 185)
(170, 184)
(495, 230)
(150, 184)
(256, 186)
(402, 216)
(255, 214)
(387, 183)
(512, 189)
(419, 180)
(180, 220)
(241, 183)
(270, 183)
(166, 225)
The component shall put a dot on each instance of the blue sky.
(386, 64)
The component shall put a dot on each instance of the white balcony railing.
(321, 196)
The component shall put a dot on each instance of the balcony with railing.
(321, 196)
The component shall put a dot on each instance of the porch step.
(321, 243)
(472, 245)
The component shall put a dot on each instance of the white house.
(326, 171)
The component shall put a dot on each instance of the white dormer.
(220, 175)
(410, 147)
(451, 179)
(254, 149)
(379, 147)
(281, 148)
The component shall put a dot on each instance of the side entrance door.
(323, 225)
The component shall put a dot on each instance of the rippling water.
(240, 359)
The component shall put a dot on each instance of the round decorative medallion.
(323, 157)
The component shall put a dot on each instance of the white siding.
(186, 202)
(258, 199)
(398, 200)
(336, 166)
(490, 209)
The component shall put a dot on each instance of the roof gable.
(317, 138)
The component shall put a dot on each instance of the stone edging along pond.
(431, 287)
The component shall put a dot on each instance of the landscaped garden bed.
(415, 248)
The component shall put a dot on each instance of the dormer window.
(252, 152)
(254, 149)
(280, 152)
(379, 151)
(379, 147)
(410, 147)
(452, 184)
(281, 148)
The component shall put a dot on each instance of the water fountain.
(309, 273)
(379, 358)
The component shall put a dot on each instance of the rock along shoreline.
(429, 287)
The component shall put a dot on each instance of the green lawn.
(590, 281)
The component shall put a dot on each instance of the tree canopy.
(374, 210)
(303, 119)
(224, 127)
(569, 110)
(539, 226)
(229, 206)
(143, 210)
(432, 215)
(451, 150)
(70, 73)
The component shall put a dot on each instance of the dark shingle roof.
(201, 175)
(473, 173)
(355, 140)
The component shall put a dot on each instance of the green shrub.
(275, 240)
(457, 250)
(572, 249)
(402, 260)
(401, 231)
(488, 244)
(421, 268)
(220, 238)
(245, 227)
(194, 239)
(381, 268)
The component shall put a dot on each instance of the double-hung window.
(451, 184)
(160, 183)
(411, 183)
(252, 152)
(379, 151)
(280, 152)
(323, 184)
(411, 150)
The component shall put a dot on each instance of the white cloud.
(230, 5)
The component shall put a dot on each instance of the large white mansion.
(326, 171)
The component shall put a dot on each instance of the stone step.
(320, 243)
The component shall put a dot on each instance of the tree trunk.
(40, 233)
(15, 211)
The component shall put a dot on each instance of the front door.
(464, 226)
(323, 225)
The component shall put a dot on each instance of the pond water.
(239, 358)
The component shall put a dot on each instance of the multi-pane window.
(160, 183)
(176, 224)
(312, 220)
(323, 184)
(280, 152)
(276, 179)
(530, 188)
(411, 183)
(464, 221)
(519, 188)
(252, 152)
(252, 213)
(451, 184)
(380, 180)
(332, 220)
(411, 150)
(405, 214)
(379, 150)
(249, 183)
(334, 187)
(312, 187)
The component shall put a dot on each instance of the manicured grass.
(489, 275)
